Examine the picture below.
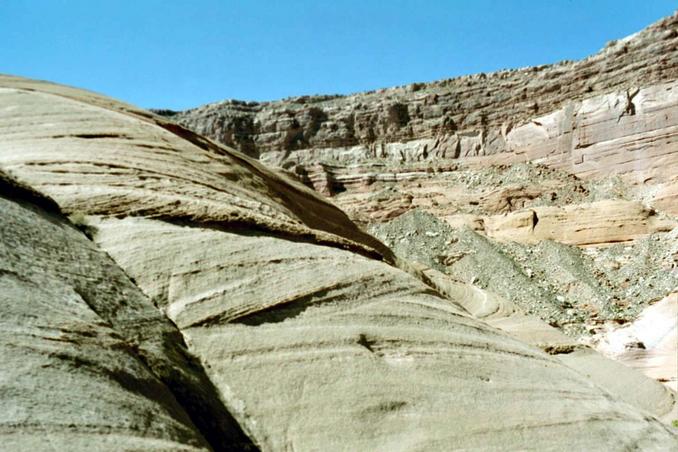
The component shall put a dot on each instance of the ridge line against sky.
(178, 55)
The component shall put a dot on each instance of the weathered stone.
(145, 166)
(583, 224)
(611, 113)
(343, 351)
(82, 348)
(311, 339)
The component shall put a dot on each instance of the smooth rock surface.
(145, 166)
(649, 344)
(618, 378)
(347, 352)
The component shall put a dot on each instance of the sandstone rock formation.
(468, 115)
(602, 222)
(307, 333)
(615, 377)
(650, 343)
(612, 113)
(579, 153)
(88, 362)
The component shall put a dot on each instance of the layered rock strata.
(311, 338)
(612, 113)
(87, 359)
(466, 113)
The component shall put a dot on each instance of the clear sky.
(180, 54)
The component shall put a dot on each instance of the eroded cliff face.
(582, 116)
(539, 172)
(614, 113)
(209, 302)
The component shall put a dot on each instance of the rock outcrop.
(615, 377)
(650, 343)
(602, 222)
(307, 330)
(87, 359)
(469, 115)
(614, 113)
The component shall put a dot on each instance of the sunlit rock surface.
(649, 344)
(308, 335)
(614, 113)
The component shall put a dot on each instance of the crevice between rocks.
(301, 202)
(173, 365)
(562, 349)
(187, 381)
(281, 311)
(243, 227)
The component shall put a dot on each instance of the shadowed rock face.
(88, 360)
(306, 334)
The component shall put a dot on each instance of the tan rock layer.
(615, 377)
(597, 223)
(309, 346)
(591, 139)
(147, 167)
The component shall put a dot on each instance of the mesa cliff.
(612, 113)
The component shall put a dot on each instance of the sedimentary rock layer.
(597, 223)
(310, 339)
(87, 360)
(612, 113)
(474, 107)
(344, 350)
(150, 167)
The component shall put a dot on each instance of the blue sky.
(179, 54)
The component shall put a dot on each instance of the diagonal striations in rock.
(148, 167)
(310, 339)
(87, 360)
